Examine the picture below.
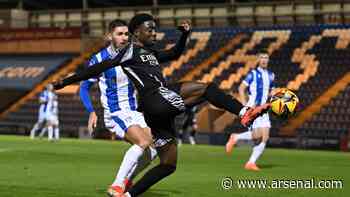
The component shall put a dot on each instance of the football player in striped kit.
(119, 101)
(259, 83)
(43, 99)
(51, 116)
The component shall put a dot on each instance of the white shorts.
(41, 115)
(118, 122)
(262, 121)
(53, 119)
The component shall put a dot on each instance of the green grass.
(84, 168)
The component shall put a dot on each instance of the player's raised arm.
(176, 51)
(242, 93)
(43, 97)
(242, 89)
(92, 71)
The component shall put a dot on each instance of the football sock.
(257, 151)
(43, 131)
(192, 141)
(244, 136)
(50, 132)
(219, 99)
(57, 133)
(148, 156)
(127, 194)
(150, 178)
(130, 159)
(32, 132)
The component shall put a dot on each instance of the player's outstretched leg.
(57, 133)
(148, 156)
(194, 93)
(261, 136)
(36, 127)
(167, 166)
(251, 113)
(142, 139)
(50, 132)
(42, 133)
(234, 138)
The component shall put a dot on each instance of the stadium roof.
(78, 4)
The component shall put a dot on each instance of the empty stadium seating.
(307, 59)
(332, 121)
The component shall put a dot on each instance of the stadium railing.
(228, 14)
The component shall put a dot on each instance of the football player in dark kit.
(161, 102)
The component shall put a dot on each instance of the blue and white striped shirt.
(43, 98)
(52, 104)
(117, 90)
(259, 82)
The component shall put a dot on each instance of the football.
(284, 103)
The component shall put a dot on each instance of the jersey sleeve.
(248, 79)
(91, 62)
(174, 52)
(85, 98)
(92, 71)
(272, 80)
(43, 97)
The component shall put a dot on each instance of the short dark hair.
(137, 20)
(263, 51)
(116, 23)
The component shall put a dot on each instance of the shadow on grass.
(152, 192)
(162, 193)
(269, 166)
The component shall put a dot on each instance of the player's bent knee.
(256, 135)
(139, 136)
(265, 135)
(257, 141)
(145, 143)
(170, 168)
(202, 86)
(195, 87)
(265, 138)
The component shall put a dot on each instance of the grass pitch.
(85, 168)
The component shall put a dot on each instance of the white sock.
(130, 176)
(130, 160)
(50, 132)
(32, 132)
(43, 131)
(144, 161)
(127, 194)
(179, 142)
(57, 133)
(257, 151)
(192, 141)
(245, 136)
(154, 153)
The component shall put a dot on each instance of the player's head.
(143, 27)
(263, 57)
(118, 33)
(49, 87)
